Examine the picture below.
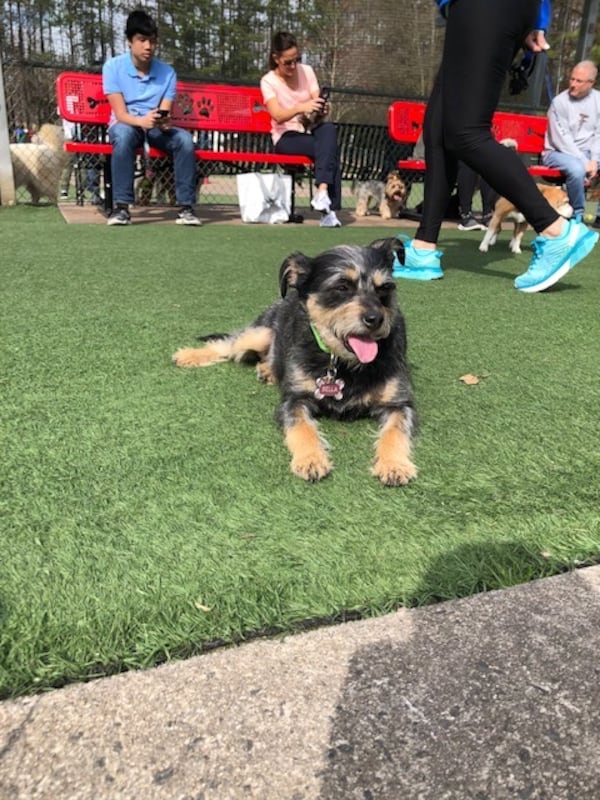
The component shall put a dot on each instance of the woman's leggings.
(482, 39)
(321, 146)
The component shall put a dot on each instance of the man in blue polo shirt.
(141, 90)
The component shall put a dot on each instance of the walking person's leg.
(466, 181)
(481, 40)
(488, 201)
(495, 30)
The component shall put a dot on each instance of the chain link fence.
(44, 173)
(390, 50)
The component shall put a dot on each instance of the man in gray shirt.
(572, 142)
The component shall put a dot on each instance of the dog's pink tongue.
(364, 349)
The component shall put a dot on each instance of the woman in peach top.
(290, 91)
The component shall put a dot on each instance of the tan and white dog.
(37, 165)
(505, 210)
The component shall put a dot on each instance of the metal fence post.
(7, 181)
(587, 31)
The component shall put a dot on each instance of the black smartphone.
(163, 112)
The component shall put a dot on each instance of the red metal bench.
(232, 120)
(405, 125)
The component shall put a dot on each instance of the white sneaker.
(120, 216)
(187, 217)
(321, 201)
(330, 221)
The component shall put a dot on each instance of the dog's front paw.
(190, 357)
(312, 466)
(264, 373)
(393, 472)
(483, 247)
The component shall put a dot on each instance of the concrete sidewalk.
(489, 698)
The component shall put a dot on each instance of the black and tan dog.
(337, 347)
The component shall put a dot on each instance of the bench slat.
(205, 155)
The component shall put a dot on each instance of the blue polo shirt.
(141, 93)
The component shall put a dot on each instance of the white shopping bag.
(264, 196)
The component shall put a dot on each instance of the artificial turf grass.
(151, 510)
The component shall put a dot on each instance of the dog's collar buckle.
(330, 385)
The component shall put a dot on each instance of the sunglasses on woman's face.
(290, 62)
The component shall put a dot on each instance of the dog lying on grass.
(388, 196)
(337, 347)
(37, 165)
(504, 209)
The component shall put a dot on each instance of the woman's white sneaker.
(321, 201)
(330, 220)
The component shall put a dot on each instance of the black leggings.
(481, 41)
(320, 145)
(466, 183)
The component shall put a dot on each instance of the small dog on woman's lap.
(336, 346)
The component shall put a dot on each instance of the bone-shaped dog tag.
(329, 386)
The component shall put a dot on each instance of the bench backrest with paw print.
(230, 124)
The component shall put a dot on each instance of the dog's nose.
(372, 319)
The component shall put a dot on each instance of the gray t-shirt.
(574, 126)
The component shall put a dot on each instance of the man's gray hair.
(590, 67)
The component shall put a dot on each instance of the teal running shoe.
(553, 258)
(419, 265)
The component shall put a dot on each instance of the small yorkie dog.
(388, 196)
(336, 346)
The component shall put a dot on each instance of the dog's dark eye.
(386, 289)
(344, 287)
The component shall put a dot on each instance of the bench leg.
(79, 168)
(108, 198)
(294, 219)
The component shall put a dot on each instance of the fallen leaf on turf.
(198, 604)
(469, 380)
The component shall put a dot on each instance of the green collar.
(318, 339)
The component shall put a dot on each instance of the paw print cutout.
(184, 103)
(205, 107)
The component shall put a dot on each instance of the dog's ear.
(392, 247)
(293, 272)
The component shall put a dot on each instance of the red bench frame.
(405, 125)
(198, 107)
